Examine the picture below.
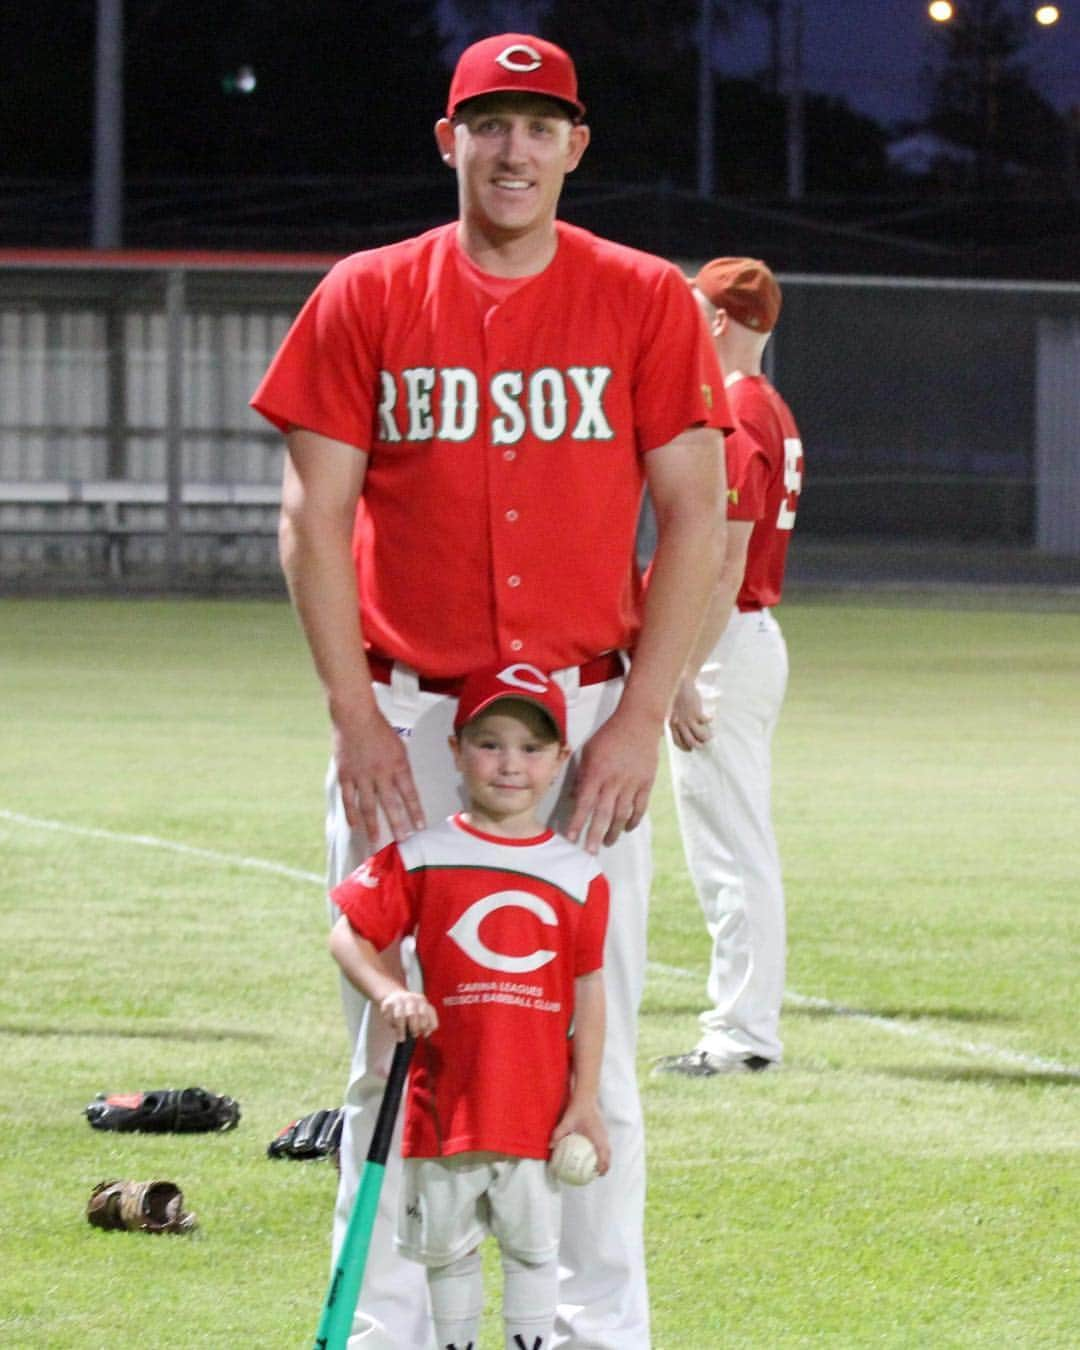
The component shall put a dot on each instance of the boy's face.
(508, 757)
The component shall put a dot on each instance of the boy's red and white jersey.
(503, 927)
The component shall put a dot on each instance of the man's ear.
(444, 139)
(720, 322)
(579, 140)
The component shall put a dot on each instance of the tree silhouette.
(982, 95)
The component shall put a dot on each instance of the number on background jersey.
(785, 519)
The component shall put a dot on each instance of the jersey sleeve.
(589, 949)
(678, 383)
(324, 375)
(377, 899)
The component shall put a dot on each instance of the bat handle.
(379, 1149)
(339, 1305)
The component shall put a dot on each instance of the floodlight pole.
(793, 85)
(108, 203)
(706, 175)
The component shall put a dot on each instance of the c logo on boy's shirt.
(466, 932)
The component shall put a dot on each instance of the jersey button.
(511, 515)
(513, 581)
(509, 455)
(516, 644)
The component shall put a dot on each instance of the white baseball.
(574, 1160)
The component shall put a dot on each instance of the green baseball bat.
(339, 1305)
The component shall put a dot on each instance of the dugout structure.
(932, 410)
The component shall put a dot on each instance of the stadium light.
(242, 80)
(943, 11)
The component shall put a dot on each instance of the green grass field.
(910, 1178)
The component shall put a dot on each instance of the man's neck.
(741, 352)
(500, 255)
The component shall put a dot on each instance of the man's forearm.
(322, 483)
(722, 601)
(316, 559)
(690, 535)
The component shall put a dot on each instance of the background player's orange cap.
(514, 63)
(745, 288)
(518, 680)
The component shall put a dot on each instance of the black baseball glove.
(317, 1135)
(172, 1110)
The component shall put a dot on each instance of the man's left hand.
(614, 778)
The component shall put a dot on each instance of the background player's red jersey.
(765, 474)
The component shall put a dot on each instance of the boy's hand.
(406, 1012)
(585, 1118)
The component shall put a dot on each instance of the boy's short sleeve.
(377, 899)
(589, 950)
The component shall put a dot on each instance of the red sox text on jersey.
(422, 403)
(492, 429)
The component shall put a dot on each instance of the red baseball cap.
(745, 288)
(519, 680)
(514, 63)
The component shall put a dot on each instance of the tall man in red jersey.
(471, 418)
(729, 700)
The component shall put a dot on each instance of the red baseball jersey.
(505, 436)
(765, 474)
(503, 927)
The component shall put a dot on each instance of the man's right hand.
(691, 725)
(374, 774)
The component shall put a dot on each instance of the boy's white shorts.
(447, 1206)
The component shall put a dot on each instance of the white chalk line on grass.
(912, 1030)
(165, 845)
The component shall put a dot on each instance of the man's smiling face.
(511, 153)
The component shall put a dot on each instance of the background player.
(478, 410)
(498, 1006)
(729, 700)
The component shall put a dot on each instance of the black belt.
(609, 666)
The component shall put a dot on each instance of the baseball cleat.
(701, 1064)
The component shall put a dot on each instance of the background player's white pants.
(723, 800)
(603, 1300)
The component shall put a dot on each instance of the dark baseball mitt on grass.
(171, 1111)
(317, 1135)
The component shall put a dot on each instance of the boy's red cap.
(519, 680)
(514, 63)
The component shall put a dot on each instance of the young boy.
(509, 921)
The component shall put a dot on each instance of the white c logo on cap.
(519, 58)
(466, 932)
(521, 675)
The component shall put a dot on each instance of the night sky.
(872, 53)
(360, 90)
